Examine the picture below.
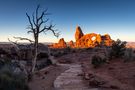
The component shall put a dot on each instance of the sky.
(115, 17)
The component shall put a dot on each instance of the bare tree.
(38, 25)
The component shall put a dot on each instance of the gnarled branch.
(26, 39)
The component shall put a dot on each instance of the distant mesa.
(85, 41)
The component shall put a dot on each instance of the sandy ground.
(43, 80)
(117, 72)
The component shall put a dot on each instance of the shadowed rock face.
(78, 33)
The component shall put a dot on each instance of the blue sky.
(115, 17)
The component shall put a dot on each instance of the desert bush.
(42, 55)
(57, 54)
(68, 49)
(129, 55)
(97, 61)
(12, 81)
(107, 52)
(44, 63)
(117, 49)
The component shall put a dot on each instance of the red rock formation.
(107, 40)
(85, 41)
(60, 44)
(71, 44)
(88, 40)
(78, 33)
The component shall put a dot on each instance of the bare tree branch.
(37, 12)
(20, 38)
(38, 24)
(30, 31)
(29, 21)
(14, 43)
(33, 18)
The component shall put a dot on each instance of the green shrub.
(42, 55)
(129, 55)
(12, 81)
(97, 61)
(117, 49)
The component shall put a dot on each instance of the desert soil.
(43, 80)
(116, 73)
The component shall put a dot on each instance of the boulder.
(78, 33)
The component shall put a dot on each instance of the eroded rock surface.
(89, 40)
(107, 40)
(85, 41)
(71, 44)
(60, 44)
(78, 33)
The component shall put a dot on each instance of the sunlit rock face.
(60, 44)
(88, 40)
(78, 33)
(91, 39)
(85, 41)
(107, 40)
(71, 44)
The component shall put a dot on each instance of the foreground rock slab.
(71, 79)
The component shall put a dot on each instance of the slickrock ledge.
(71, 79)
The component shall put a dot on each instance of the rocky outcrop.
(60, 44)
(107, 41)
(71, 44)
(91, 39)
(78, 33)
(88, 40)
(85, 41)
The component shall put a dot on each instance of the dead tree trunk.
(37, 26)
(35, 54)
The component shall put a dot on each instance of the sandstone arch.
(87, 41)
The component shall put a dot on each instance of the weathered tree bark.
(35, 54)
